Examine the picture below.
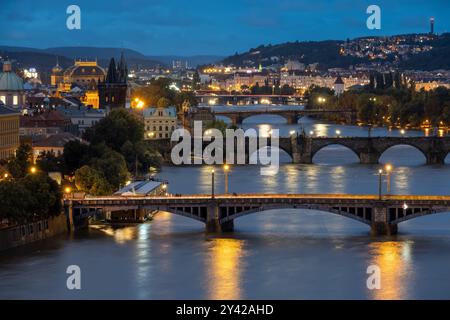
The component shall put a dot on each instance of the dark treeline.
(389, 100)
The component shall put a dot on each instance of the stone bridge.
(291, 116)
(302, 149)
(219, 212)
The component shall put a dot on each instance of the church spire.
(122, 69)
(111, 77)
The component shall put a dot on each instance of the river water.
(279, 254)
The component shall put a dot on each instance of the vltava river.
(279, 254)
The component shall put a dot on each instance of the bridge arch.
(411, 146)
(410, 214)
(364, 218)
(326, 145)
(283, 153)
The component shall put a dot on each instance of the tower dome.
(9, 81)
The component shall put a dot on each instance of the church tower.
(113, 91)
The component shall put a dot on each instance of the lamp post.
(226, 169)
(380, 174)
(212, 183)
(388, 174)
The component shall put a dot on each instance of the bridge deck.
(276, 196)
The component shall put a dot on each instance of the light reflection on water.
(279, 254)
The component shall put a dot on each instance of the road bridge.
(382, 214)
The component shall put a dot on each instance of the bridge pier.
(369, 157)
(380, 223)
(292, 119)
(213, 224)
(435, 158)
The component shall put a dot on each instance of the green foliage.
(112, 167)
(75, 155)
(19, 165)
(115, 129)
(91, 181)
(160, 88)
(48, 162)
(34, 196)
(401, 106)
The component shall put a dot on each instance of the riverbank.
(19, 235)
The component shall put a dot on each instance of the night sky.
(219, 27)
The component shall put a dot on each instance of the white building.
(159, 122)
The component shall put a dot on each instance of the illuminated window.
(3, 99)
(15, 100)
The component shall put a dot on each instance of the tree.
(115, 129)
(45, 194)
(91, 181)
(112, 167)
(48, 162)
(18, 166)
(75, 155)
(14, 202)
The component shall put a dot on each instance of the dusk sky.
(182, 27)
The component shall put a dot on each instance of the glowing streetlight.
(68, 190)
(292, 132)
(338, 133)
(311, 133)
(33, 170)
(388, 169)
(380, 174)
(226, 169)
(402, 132)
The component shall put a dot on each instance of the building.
(9, 132)
(431, 25)
(197, 114)
(90, 97)
(80, 74)
(113, 91)
(159, 122)
(53, 144)
(82, 117)
(11, 87)
(339, 86)
(46, 123)
(57, 75)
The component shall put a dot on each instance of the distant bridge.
(236, 99)
(292, 116)
(302, 149)
(218, 213)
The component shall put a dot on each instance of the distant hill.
(438, 58)
(45, 59)
(326, 53)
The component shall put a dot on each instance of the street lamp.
(380, 174)
(33, 170)
(292, 132)
(226, 169)
(212, 183)
(388, 169)
(338, 133)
